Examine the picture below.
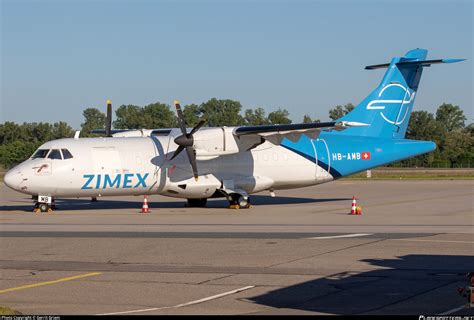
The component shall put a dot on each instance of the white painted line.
(342, 236)
(217, 296)
(419, 240)
(452, 311)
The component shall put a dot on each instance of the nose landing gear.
(42, 207)
(44, 204)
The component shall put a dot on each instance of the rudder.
(387, 109)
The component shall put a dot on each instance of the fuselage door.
(323, 160)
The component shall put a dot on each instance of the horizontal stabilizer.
(424, 63)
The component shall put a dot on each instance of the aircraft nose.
(13, 179)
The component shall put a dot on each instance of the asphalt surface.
(298, 253)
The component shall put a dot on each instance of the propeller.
(108, 119)
(186, 140)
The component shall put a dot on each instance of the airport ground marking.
(452, 311)
(441, 241)
(217, 296)
(341, 236)
(28, 286)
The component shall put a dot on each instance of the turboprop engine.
(210, 143)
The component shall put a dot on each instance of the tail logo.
(404, 103)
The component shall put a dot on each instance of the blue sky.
(60, 57)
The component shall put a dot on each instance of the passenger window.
(66, 154)
(55, 154)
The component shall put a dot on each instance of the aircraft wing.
(293, 132)
(134, 132)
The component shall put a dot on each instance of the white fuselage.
(140, 165)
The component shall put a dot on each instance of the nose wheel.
(42, 207)
(44, 204)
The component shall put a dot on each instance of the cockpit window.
(40, 153)
(66, 154)
(55, 154)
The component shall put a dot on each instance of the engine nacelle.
(204, 187)
(211, 143)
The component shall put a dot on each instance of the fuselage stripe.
(336, 174)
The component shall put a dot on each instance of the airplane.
(232, 162)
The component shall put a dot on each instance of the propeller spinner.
(186, 140)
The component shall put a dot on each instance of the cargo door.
(323, 160)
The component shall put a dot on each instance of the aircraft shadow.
(107, 203)
(381, 291)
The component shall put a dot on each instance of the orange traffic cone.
(145, 208)
(354, 205)
(359, 210)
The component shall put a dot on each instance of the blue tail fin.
(388, 108)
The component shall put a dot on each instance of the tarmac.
(298, 253)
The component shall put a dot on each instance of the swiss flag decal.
(365, 155)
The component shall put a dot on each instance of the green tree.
(255, 117)
(192, 114)
(450, 116)
(279, 116)
(16, 152)
(9, 132)
(423, 126)
(93, 119)
(39, 132)
(459, 147)
(61, 130)
(340, 111)
(307, 119)
(470, 129)
(221, 112)
(129, 117)
(158, 115)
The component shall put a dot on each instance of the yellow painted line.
(28, 286)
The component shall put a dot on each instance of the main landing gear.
(238, 201)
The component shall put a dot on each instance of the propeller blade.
(177, 151)
(197, 127)
(192, 160)
(179, 112)
(108, 119)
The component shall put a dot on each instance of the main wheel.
(238, 201)
(44, 207)
(243, 202)
(197, 203)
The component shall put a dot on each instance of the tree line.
(446, 127)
